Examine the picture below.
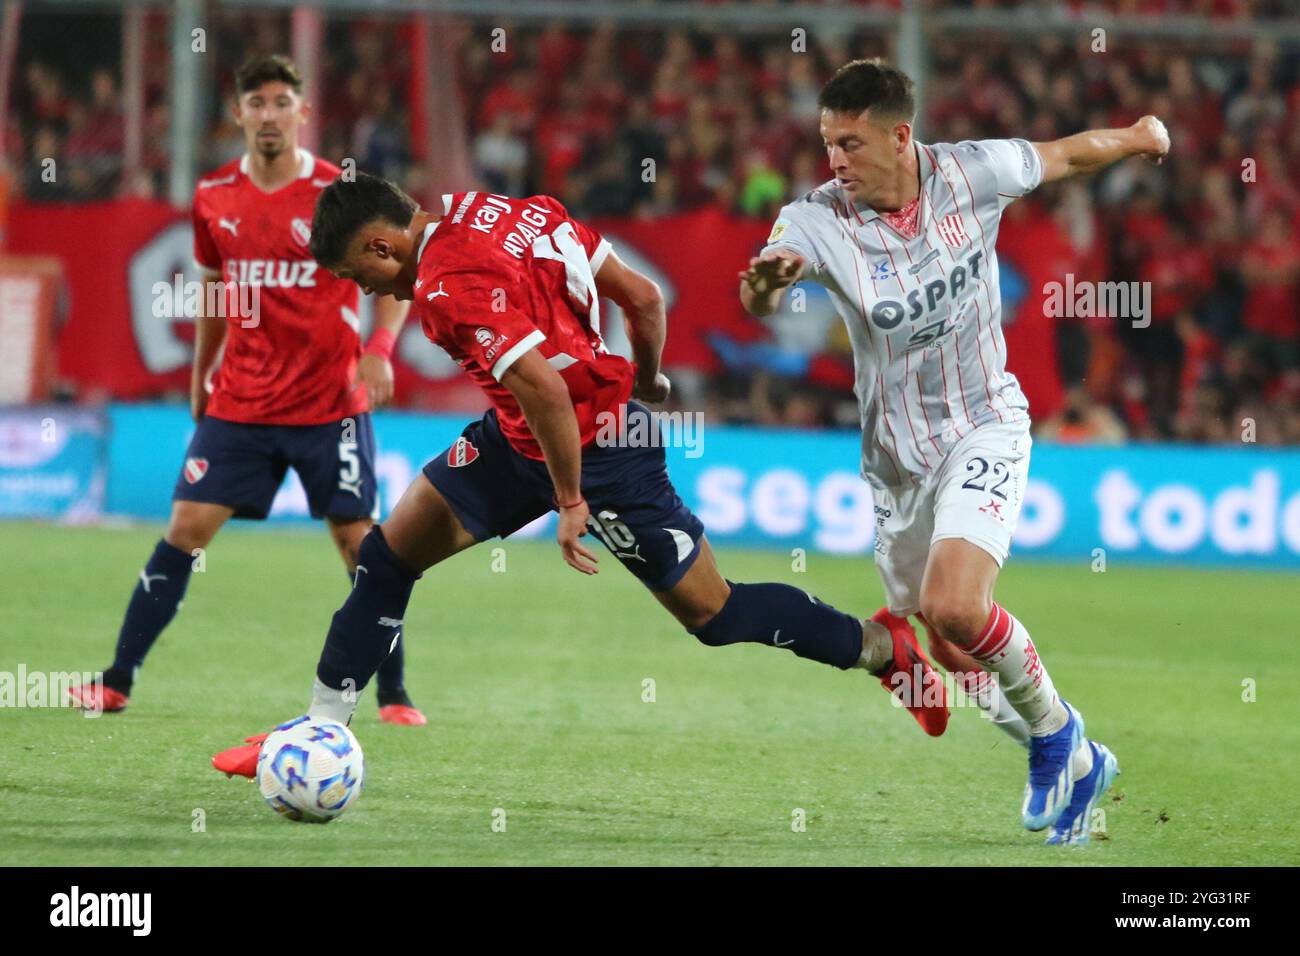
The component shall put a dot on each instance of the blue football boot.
(1075, 824)
(1050, 783)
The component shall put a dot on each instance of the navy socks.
(391, 675)
(157, 596)
(365, 628)
(783, 616)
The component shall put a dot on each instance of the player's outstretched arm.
(646, 321)
(209, 336)
(1095, 149)
(375, 370)
(544, 399)
(767, 278)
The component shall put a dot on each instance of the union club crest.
(195, 469)
(953, 230)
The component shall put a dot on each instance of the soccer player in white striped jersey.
(903, 239)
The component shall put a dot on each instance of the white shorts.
(975, 495)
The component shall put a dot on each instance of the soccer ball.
(310, 769)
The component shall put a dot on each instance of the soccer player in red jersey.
(293, 387)
(511, 289)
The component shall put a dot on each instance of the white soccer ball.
(310, 769)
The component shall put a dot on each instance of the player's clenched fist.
(573, 525)
(655, 390)
(1153, 138)
(773, 270)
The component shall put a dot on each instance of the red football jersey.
(294, 361)
(499, 276)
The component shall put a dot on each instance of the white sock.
(877, 647)
(332, 704)
(1081, 761)
(982, 688)
(1005, 649)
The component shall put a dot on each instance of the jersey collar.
(432, 227)
(925, 166)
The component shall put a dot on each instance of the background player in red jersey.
(511, 288)
(293, 387)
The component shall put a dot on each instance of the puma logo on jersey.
(231, 224)
(433, 295)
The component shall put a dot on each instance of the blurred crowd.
(729, 121)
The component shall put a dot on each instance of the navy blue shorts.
(241, 466)
(635, 511)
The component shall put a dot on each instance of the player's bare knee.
(187, 534)
(697, 614)
(957, 618)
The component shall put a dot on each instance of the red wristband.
(571, 504)
(381, 343)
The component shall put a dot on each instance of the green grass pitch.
(533, 683)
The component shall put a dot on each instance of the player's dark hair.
(344, 207)
(270, 68)
(870, 85)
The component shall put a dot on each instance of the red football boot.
(241, 760)
(911, 678)
(405, 714)
(97, 697)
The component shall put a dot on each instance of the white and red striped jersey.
(924, 314)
